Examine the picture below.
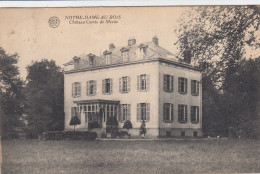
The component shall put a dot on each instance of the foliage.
(112, 126)
(220, 41)
(128, 125)
(93, 125)
(74, 121)
(44, 97)
(11, 96)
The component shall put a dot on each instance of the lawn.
(176, 156)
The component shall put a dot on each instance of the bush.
(74, 121)
(93, 125)
(112, 126)
(128, 125)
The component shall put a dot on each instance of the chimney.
(131, 41)
(155, 40)
(111, 47)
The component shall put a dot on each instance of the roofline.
(100, 101)
(134, 62)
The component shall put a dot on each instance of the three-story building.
(135, 82)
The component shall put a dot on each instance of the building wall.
(176, 98)
(133, 97)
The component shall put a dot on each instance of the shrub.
(112, 126)
(74, 121)
(128, 125)
(93, 125)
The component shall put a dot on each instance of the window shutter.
(198, 114)
(128, 112)
(78, 113)
(171, 83)
(119, 113)
(128, 84)
(198, 87)
(72, 112)
(111, 86)
(87, 88)
(73, 86)
(147, 82)
(148, 111)
(164, 111)
(192, 87)
(103, 86)
(138, 83)
(120, 85)
(79, 89)
(164, 82)
(191, 114)
(138, 114)
(185, 85)
(179, 85)
(95, 87)
(185, 107)
(172, 112)
(179, 113)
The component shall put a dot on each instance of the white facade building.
(136, 82)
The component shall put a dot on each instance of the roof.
(152, 51)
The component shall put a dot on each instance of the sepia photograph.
(159, 89)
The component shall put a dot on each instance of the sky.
(26, 31)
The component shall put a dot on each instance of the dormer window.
(107, 57)
(91, 59)
(125, 54)
(142, 50)
(76, 62)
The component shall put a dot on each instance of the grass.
(186, 156)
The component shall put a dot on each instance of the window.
(143, 82)
(142, 52)
(107, 86)
(194, 87)
(110, 111)
(125, 56)
(91, 61)
(167, 83)
(124, 84)
(194, 114)
(195, 134)
(75, 112)
(91, 87)
(143, 111)
(90, 111)
(125, 112)
(183, 133)
(182, 113)
(182, 85)
(108, 59)
(76, 89)
(168, 112)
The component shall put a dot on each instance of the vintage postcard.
(166, 89)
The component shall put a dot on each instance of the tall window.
(90, 111)
(125, 112)
(76, 89)
(143, 111)
(168, 112)
(91, 87)
(143, 82)
(194, 114)
(108, 59)
(182, 113)
(167, 83)
(107, 86)
(182, 85)
(194, 87)
(143, 52)
(124, 84)
(125, 56)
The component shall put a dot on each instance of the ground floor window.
(195, 133)
(143, 111)
(182, 113)
(168, 112)
(194, 114)
(90, 112)
(125, 112)
(183, 133)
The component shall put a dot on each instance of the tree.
(74, 121)
(44, 97)
(128, 125)
(219, 40)
(11, 96)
